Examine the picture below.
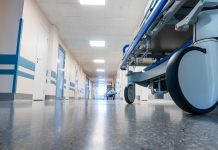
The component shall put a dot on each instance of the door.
(41, 65)
(87, 89)
(60, 73)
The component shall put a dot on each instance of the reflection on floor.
(99, 125)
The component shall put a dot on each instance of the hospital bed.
(178, 43)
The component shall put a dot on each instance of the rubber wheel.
(174, 87)
(129, 94)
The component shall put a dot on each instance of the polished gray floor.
(100, 125)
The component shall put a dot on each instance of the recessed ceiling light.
(98, 61)
(100, 70)
(92, 2)
(101, 79)
(97, 43)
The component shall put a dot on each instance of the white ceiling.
(78, 24)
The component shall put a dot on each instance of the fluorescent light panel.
(92, 2)
(99, 61)
(100, 70)
(97, 43)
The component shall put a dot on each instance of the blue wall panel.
(25, 75)
(26, 63)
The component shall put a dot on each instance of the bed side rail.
(154, 14)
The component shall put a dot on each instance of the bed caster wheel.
(129, 93)
(192, 79)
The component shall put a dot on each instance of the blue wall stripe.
(82, 90)
(53, 74)
(8, 59)
(26, 63)
(72, 84)
(72, 89)
(14, 89)
(53, 82)
(7, 72)
(25, 75)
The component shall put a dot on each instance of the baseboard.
(61, 98)
(16, 96)
(48, 97)
(38, 100)
(22, 96)
(6, 96)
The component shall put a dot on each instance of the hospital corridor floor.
(104, 125)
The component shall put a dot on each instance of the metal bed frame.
(167, 25)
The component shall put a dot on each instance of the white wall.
(10, 14)
(142, 92)
(33, 19)
(121, 83)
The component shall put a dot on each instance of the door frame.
(60, 48)
(87, 92)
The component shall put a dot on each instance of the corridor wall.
(10, 28)
(34, 25)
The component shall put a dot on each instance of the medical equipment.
(188, 72)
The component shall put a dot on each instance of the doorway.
(87, 89)
(60, 74)
(41, 65)
(100, 89)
